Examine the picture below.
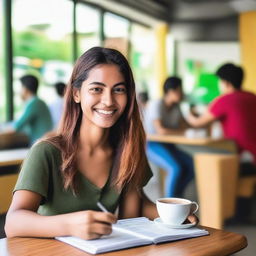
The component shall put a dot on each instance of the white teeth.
(105, 112)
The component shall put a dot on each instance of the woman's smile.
(105, 112)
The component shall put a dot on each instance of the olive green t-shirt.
(40, 173)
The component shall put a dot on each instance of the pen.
(99, 204)
(103, 208)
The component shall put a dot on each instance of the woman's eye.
(120, 90)
(96, 90)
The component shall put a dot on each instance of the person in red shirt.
(235, 111)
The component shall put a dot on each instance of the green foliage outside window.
(38, 46)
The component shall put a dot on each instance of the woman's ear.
(76, 96)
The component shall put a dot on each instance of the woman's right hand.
(90, 224)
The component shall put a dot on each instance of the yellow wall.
(161, 31)
(247, 30)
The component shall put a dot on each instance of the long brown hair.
(127, 136)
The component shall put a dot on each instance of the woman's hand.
(192, 219)
(90, 224)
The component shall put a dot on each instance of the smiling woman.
(97, 155)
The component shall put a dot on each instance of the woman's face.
(102, 96)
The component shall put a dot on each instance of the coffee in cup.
(175, 211)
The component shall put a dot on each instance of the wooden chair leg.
(216, 178)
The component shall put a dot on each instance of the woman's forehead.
(105, 72)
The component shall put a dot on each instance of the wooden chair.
(7, 183)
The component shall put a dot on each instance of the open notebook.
(131, 233)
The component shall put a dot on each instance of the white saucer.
(160, 222)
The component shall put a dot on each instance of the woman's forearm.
(148, 208)
(31, 224)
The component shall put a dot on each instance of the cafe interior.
(190, 39)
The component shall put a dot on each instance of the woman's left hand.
(192, 219)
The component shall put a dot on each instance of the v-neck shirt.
(41, 173)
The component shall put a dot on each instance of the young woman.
(98, 155)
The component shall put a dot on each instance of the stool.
(216, 180)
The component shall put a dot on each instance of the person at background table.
(143, 101)
(97, 155)
(235, 109)
(56, 107)
(35, 121)
(163, 116)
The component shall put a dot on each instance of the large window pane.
(142, 58)
(87, 26)
(116, 31)
(42, 36)
(2, 82)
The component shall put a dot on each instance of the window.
(116, 31)
(2, 82)
(42, 44)
(142, 58)
(87, 26)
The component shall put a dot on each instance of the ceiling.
(181, 10)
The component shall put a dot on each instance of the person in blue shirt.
(35, 120)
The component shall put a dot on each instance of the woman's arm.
(160, 129)
(135, 203)
(202, 120)
(22, 220)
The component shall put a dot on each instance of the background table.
(12, 156)
(219, 243)
(181, 139)
(216, 176)
(13, 140)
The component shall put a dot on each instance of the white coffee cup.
(175, 210)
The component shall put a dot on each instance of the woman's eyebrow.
(102, 84)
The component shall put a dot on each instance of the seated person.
(142, 102)
(56, 108)
(234, 109)
(36, 119)
(164, 116)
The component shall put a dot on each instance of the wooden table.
(216, 176)
(181, 139)
(13, 140)
(12, 156)
(219, 243)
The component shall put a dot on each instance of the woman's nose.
(107, 99)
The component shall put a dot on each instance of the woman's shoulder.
(45, 147)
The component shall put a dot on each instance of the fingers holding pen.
(91, 224)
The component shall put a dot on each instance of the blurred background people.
(35, 120)
(234, 111)
(142, 101)
(56, 107)
(164, 117)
